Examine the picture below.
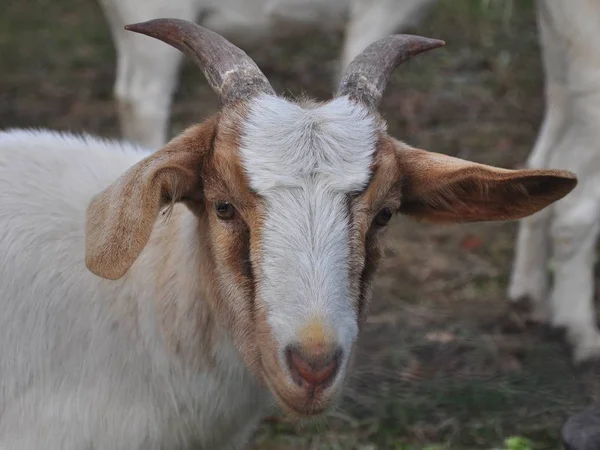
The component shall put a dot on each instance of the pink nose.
(312, 371)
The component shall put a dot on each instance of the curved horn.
(229, 70)
(367, 75)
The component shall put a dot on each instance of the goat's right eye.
(225, 210)
(383, 217)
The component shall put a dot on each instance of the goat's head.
(294, 198)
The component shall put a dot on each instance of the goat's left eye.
(225, 210)
(383, 217)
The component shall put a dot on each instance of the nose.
(313, 370)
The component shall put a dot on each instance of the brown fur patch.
(383, 191)
(121, 218)
(441, 188)
(223, 270)
(234, 245)
(315, 337)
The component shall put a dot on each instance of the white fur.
(304, 161)
(83, 363)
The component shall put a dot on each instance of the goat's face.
(297, 196)
(294, 199)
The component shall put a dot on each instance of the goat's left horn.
(367, 75)
(231, 73)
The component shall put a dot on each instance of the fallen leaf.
(440, 336)
(471, 242)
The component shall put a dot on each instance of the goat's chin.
(313, 412)
(300, 404)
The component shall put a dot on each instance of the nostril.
(316, 370)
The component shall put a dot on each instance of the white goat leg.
(574, 233)
(529, 275)
(575, 227)
(576, 220)
(147, 70)
(570, 136)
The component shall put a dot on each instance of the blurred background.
(443, 362)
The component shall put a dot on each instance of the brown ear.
(440, 188)
(120, 219)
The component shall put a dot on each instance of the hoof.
(586, 350)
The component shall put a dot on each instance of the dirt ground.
(438, 363)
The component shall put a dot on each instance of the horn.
(367, 75)
(229, 70)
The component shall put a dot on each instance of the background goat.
(254, 288)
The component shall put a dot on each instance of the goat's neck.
(178, 270)
(188, 316)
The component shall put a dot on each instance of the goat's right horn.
(229, 70)
(367, 75)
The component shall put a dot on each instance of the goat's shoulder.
(48, 173)
(53, 153)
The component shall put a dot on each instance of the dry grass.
(437, 361)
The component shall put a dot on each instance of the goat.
(227, 272)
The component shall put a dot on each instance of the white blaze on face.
(304, 162)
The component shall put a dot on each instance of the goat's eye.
(225, 210)
(383, 217)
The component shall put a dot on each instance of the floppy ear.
(440, 188)
(120, 219)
